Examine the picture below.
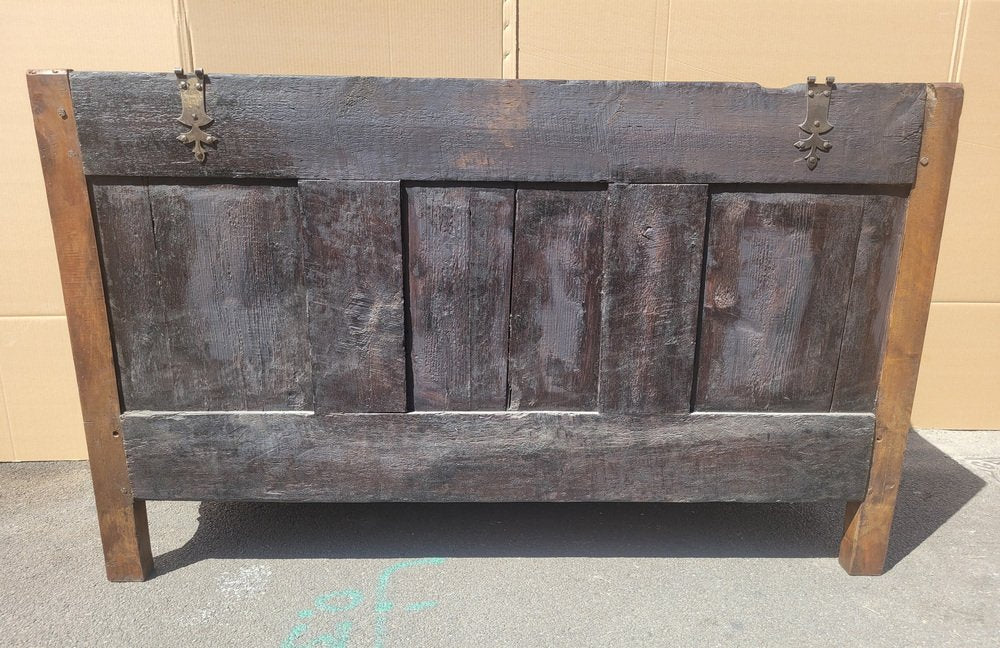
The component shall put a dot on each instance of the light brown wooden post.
(866, 534)
(122, 518)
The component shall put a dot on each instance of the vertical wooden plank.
(122, 518)
(555, 299)
(653, 245)
(229, 262)
(777, 281)
(355, 282)
(142, 347)
(868, 308)
(459, 279)
(866, 535)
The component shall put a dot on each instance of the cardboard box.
(780, 42)
(592, 40)
(959, 385)
(969, 267)
(39, 382)
(460, 38)
(772, 42)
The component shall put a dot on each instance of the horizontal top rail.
(374, 128)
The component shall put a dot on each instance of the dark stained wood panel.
(653, 244)
(556, 299)
(459, 295)
(777, 281)
(504, 456)
(355, 287)
(141, 338)
(496, 130)
(206, 295)
(868, 308)
(230, 273)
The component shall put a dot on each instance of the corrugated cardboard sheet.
(773, 42)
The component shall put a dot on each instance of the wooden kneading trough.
(342, 289)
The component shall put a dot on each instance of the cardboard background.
(771, 42)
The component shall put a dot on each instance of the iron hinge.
(817, 120)
(193, 115)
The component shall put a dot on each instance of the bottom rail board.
(493, 457)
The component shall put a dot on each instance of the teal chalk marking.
(326, 603)
(354, 597)
(422, 605)
(296, 632)
(337, 640)
(382, 603)
(349, 599)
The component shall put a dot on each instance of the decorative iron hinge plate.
(193, 115)
(817, 120)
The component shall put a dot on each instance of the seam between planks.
(865, 205)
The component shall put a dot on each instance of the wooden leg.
(866, 535)
(122, 518)
(867, 523)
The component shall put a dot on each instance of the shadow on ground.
(934, 488)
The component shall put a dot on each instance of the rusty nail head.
(810, 94)
(925, 161)
(62, 113)
(826, 93)
(816, 123)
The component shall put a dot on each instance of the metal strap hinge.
(817, 120)
(193, 115)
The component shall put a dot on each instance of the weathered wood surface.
(496, 130)
(142, 341)
(232, 284)
(868, 309)
(865, 542)
(459, 295)
(122, 517)
(354, 270)
(220, 317)
(556, 299)
(777, 281)
(503, 456)
(653, 244)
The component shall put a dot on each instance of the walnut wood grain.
(556, 299)
(122, 517)
(354, 273)
(863, 343)
(653, 244)
(207, 296)
(501, 456)
(459, 279)
(865, 542)
(132, 282)
(777, 281)
(496, 130)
